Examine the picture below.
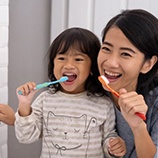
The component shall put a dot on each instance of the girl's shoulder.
(100, 100)
(44, 94)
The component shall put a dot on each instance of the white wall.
(92, 14)
(4, 23)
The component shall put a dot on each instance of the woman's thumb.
(122, 91)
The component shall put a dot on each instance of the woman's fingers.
(132, 103)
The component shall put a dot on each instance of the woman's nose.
(112, 61)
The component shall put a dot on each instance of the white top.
(71, 125)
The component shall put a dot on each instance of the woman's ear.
(149, 64)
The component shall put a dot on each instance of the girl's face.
(76, 66)
(120, 61)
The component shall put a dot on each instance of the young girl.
(75, 118)
(129, 59)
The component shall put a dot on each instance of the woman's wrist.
(139, 129)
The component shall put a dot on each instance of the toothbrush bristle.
(62, 79)
(103, 79)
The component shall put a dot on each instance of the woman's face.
(120, 61)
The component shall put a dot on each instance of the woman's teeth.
(111, 74)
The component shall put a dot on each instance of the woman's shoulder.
(152, 114)
(152, 98)
(154, 91)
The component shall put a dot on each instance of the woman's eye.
(106, 49)
(126, 54)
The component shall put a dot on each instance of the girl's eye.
(61, 58)
(79, 59)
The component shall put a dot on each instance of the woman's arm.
(130, 103)
(145, 147)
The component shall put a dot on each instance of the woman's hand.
(7, 114)
(130, 103)
(25, 99)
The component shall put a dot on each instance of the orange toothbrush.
(105, 82)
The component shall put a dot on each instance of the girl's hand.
(117, 147)
(25, 99)
(130, 103)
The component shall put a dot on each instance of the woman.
(128, 59)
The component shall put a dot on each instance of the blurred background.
(26, 30)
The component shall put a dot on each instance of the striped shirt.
(71, 125)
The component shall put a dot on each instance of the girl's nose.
(69, 65)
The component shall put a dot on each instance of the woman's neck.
(115, 100)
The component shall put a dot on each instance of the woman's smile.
(120, 62)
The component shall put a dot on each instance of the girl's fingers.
(117, 147)
(26, 88)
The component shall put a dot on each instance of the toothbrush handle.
(46, 84)
(39, 86)
(142, 116)
(20, 92)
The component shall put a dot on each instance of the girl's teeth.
(68, 74)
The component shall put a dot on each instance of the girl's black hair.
(84, 41)
(141, 28)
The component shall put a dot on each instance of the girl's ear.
(149, 64)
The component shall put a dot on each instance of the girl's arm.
(28, 128)
(28, 121)
(110, 134)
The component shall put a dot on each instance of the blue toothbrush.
(46, 84)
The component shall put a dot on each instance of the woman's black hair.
(141, 28)
(84, 41)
